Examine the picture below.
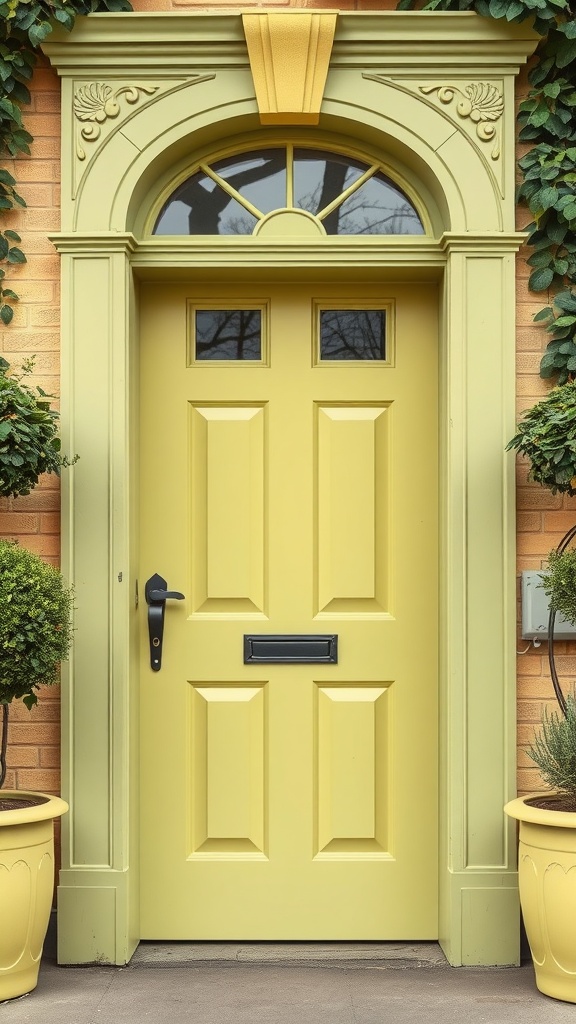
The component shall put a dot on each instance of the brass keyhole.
(155, 642)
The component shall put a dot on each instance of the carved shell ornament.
(481, 102)
(97, 102)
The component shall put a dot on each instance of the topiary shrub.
(35, 627)
(559, 583)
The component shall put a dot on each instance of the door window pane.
(201, 207)
(377, 208)
(228, 334)
(352, 334)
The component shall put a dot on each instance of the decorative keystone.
(289, 54)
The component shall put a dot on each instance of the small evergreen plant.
(559, 583)
(35, 629)
(554, 751)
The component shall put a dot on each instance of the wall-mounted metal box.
(536, 609)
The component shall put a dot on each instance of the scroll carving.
(97, 103)
(482, 102)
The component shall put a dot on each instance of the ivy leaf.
(6, 314)
(38, 32)
(541, 279)
(544, 314)
(547, 197)
(552, 89)
(514, 9)
(566, 301)
(15, 255)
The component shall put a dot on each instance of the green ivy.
(24, 24)
(548, 185)
(29, 442)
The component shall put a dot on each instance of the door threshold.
(383, 955)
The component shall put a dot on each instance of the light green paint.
(106, 199)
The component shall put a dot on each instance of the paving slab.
(399, 990)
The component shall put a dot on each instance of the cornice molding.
(483, 243)
(172, 43)
(97, 243)
(163, 251)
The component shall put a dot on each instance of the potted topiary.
(547, 851)
(35, 633)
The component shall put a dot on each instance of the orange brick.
(39, 545)
(555, 521)
(48, 316)
(529, 521)
(44, 711)
(37, 194)
(38, 733)
(529, 781)
(531, 664)
(46, 780)
(47, 501)
(34, 170)
(18, 522)
(45, 79)
(535, 497)
(43, 124)
(528, 362)
(537, 543)
(22, 757)
(35, 291)
(49, 522)
(47, 102)
(30, 341)
(50, 757)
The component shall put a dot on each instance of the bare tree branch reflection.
(228, 334)
(352, 334)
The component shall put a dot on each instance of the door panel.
(285, 493)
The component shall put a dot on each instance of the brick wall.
(33, 757)
(34, 521)
(542, 518)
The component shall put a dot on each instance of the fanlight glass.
(230, 196)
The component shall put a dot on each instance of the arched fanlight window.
(233, 196)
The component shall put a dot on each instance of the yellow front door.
(288, 488)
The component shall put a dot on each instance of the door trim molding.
(103, 254)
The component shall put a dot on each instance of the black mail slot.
(291, 648)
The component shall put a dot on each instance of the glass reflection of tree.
(207, 204)
(392, 214)
(352, 334)
(359, 217)
(228, 334)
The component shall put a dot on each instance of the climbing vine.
(547, 118)
(24, 24)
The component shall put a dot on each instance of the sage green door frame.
(165, 86)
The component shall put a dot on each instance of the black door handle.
(156, 596)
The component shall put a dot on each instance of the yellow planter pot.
(26, 889)
(547, 878)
